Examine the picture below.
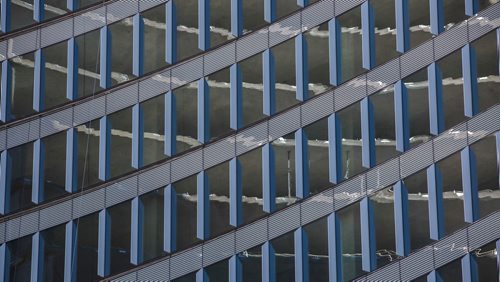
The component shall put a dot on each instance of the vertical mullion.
(204, 24)
(301, 164)
(4, 262)
(171, 33)
(71, 160)
(203, 98)
(236, 17)
(368, 244)
(334, 248)
(401, 219)
(37, 262)
(38, 10)
(37, 194)
(5, 170)
(434, 277)
(368, 35)
(302, 3)
(202, 206)
(39, 82)
(72, 75)
(497, 245)
(269, 79)
(270, 10)
(301, 247)
(436, 114)
(367, 133)
(104, 148)
(170, 124)
(105, 57)
(469, 183)
(335, 148)
(202, 276)
(268, 179)
(401, 117)
(5, 16)
(169, 219)
(268, 263)
(435, 192)
(71, 5)
(70, 250)
(471, 7)
(235, 269)
(138, 45)
(469, 268)
(402, 26)
(236, 100)
(497, 138)
(235, 193)
(301, 69)
(436, 8)
(104, 243)
(137, 136)
(136, 236)
(6, 90)
(469, 70)
(335, 51)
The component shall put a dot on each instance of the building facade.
(259, 140)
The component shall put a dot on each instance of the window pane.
(153, 111)
(22, 86)
(350, 229)
(317, 235)
(220, 22)
(88, 63)
(154, 38)
(54, 166)
(317, 59)
(251, 174)
(420, 23)
(218, 271)
(54, 8)
(453, 99)
(21, 14)
(53, 255)
(350, 122)
(285, 75)
(488, 81)
(452, 272)
(252, 90)
(153, 224)
(454, 12)
(21, 170)
(186, 212)
(219, 98)
(284, 156)
(218, 185)
(187, 20)
(418, 107)
(20, 259)
(253, 15)
(88, 153)
(317, 137)
(186, 116)
(385, 30)
(251, 262)
(121, 142)
(486, 259)
(285, 7)
(55, 76)
(121, 50)
(350, 24)
(87, 241)
(120, 237)
(285, 257)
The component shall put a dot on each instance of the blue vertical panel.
(5, 169)
(498, 257)
(401, 117)
(39, 82)
(269, 79)
(270, 10)
(71, 180)
(5, 15)
(38, 10)
(368, 35)
(436, 113)
(37, 182)
(302, 3)
(71, 5)
(301, 246)
(169, 219)
(37, 262)
(335, 51)
(469, 71)
(104, 243)
(472, 7)
(203, 111)
(72, 75)
(204, 24)
(202, 276)
(497, 138)
(136, 234)
(401, 226)
(268, 179)
(437, 16)
(235, 193)
(367, 133)
(335, 149)
(4, 262)
(236, 99)
(402, 26)
(6, 90)
(435, 191)
(469, 184)
(104, 148)
(301, 164)
(202, 206)
(105, 58)
(138, 45)
(70, 249)
(368, 244)
(334, 248)
(236, 17)
(268, 263)
(137, 136)
(301, 69)
(434, 277)
(170, 124)
(469, 268)
(171, 33)
(235, 269)
(498, 49)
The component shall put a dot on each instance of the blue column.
(137, 136)
(137, 232)
(268, 179)
(37, 182)
(497, 138)
(469, 71)
(301, 247)
(368, 35)
(105, 58)
(402, 26)
(268, 263)
(435, 190)
(236, 17)
(39, 82)
(436, 113)
(334, 248)
(138, 45)
(401, 121)
(498, 49)
(104, 148)
(469, 268)
(471, 7)
(204, 24)
(71, 161)
(70, 252)
(6, 89)
(202, 206)
(497, 245)
(367, 133)
(169, 219)
(368, 244)
(434, 277)
(72, 5)
(5, 170)
(104, 243)
(301, 68)
(335, 51)
(4, 262)
(269, 80)
(437, 16)
(235, 193)
(202, 276)
(203, 111)
(301, 164)
(37, 257)
(269, 10)
(402, 228)
(72, 75)
(5, 15)
(235, 269)
(469, 184)
(38, 10)
(171, 33)
(236, 99)
(170, 124)
(335, 149)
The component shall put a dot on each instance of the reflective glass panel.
(120, 237)
(153, 111)
(317, 150)
(488, 80)
(153, 224)
(186, 212)
(350, 229)
(218, 185)
(350, 24)
(317, 236)
(53, 253)
(285, 257)
(88, 153)
(186, 116)
(21, 170)
(154, 38)
(385, 30)
(285, 75)
(121, 50)
(88, 63)
(22, 86)
(252, 89)
(251, 174)
(55, 76)
(317, 59)
(54, 166)
(121, 142)
(86, 247)
(20, 259)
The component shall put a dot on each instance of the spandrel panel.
(120, 237)
(417, 86)
(86, 247)
(350, 28)
(317, 151)
(53, 253)
(251, 263)
(317, 236)
(317, 59)
(350, 229)
(154, 38)
(186, 116)
(385, 30)
(284, 154)
(153, 111)
(218, 187)
(252, 89)
(420, 22)
(54, 166)
(22, 86)
(251, 174)
(285, 257)
(153, 224)
(219, 103)
(285, 75)
(19, 266)
(186, 212)
(488, 79)
(121, 50)
(88, 63)
(121, 142)
(88, 153)
(20, 181)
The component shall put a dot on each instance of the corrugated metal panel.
(450, 40)
(316, 14)
(186, 165)
(24, 43)
(350, 92)
(450, 141)
(219, 58)
(218, 152)
(252, 44)
(390, 272)
(56, 122)
(383, 76)
(131, 277)
(148, 4)
(251, 235)
(316, 207)
(484, 23)
(185, 262)
(55, 215)
(88, 203)
(416, 159)
(3, 50)
(251, 138)
(417, 58)
(349, 191)
(187, 72)
(484, 231)
(3, 139)
(382, 176)
(34, 130)
(284, 221)
(318, 108)
(56, 32)
(284, 29)
(2, 232)
(157, 272)
(484, 124)
(284, 123)
(450, 248)
(220, 249)
(18, 135)
(154, 178)
(417, 264)
(90, 21)
(157, 85)
(29, 224)
(121, 191)
(122, 98)
(89, 110)
(12, 229)
(121, 9)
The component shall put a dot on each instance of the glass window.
(451, 272)
(153, 224)
(285, 7)
(120, 237)
(85, 3)
(420, 23)
(317, 147)
(285, 257)
(218, 271)
(219, 101)
(483, 4)
(186, 212)
(53, 254)
(317, 236)
(191, 277)
(87, 242)
(350, 122)
(55, 76)
(220, 22)
(253, 15)
(487, 71)
(317, 59)
(21, 170)
(486, 259)
(54, 8)
(252, 90)
(351, 59)
(218, 186)
(121, 142)
(22, 86)
(54, 166)
(153, 111)
(385, 30)
(187, 21)
(121, 50)
(453, 99)
(21, 14)
(154, 38)
(88, 153)
(454, 12)
(88, 63)
(284, 157)
(251, 182)
(418, 107)
(20, 259)
(285, 75)
(350, 229)
(251, 261)
(186, 116)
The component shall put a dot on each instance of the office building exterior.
(262, 140)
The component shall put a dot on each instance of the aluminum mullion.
(171, 33)
(469, 70)
(268, 263)
(301, 247)
(169, 219)
(335, 51)
(235, 193)
(72, 74)
(235, 269)
(236, 17)
(402, 26)
(470, 185)
(39, 82)
(105, 58)
(334, 248)
(270, 10)
(334, 149)
(170, 125)
(70, 251)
